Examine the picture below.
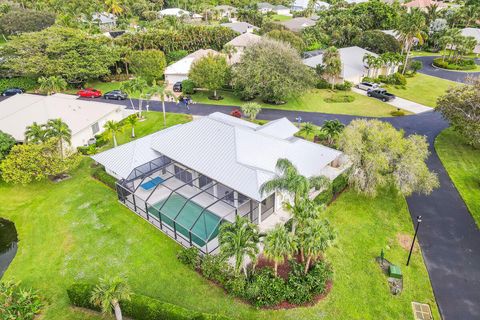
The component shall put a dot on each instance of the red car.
(89, 93)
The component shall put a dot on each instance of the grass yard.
(279, 17)
(423, 89)
(431, 54)
(313, 101)
(463, 166)
(77, 231)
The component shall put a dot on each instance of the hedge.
(139, 307)
(18, 82)
(101, 175)
(463, 64)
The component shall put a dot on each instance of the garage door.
(172, 78)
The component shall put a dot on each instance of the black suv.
(115, 95)
(177, 87)
(12, 92)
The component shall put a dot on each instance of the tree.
(273, 71)
(108, 294)
(52, 84)
(229, 50)
(377, 41)
(137, 85)
(163, 93)
(279, 244)
(69, 53)
(332, 129)
(210, 72)
(148, 64)
(332, 64)
(59, 130)
(288, 37)
(239, 239)
(6, 144)
(410, 29)
(308, 128)
(461, 107)
(114, 7)
(113, 128)
(20, 21)
(383, 156)
(132, 120)
(35, 133)
(251, 109)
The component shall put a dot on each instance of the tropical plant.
(52, 84)
(113, 128)
(6, 144)
(109, 293)
(162, 92)
(58, 129)
(114, 7)
(132, 120)
(251, 109)
(239, 239)
(332, 129)
(35, 133)
(18, 303)
(308, 128)
(133, 86)
(410, 29)
(332, 64)
(278, 245)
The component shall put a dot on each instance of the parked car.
(12, 92)
(381, 94)
(89, 93)
(367, 86)
(115, 95)
(177, 87)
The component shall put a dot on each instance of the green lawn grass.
(312, 101)
(429, 54)
(279, 17)
(462, 163)
(423, 89)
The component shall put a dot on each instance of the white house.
(265, 7)
(240, 43)
(177, 12)
(226, 11)
(281, 10)
(473, 32)
(179, 70)
(189, 179)
(85, 118)
(240, 27)
(105, 20)
(300, 5)
(354, 68)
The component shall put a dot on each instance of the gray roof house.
(240, 27)
(189, 179)
(105, 20)
(298, 24)
(264, 7)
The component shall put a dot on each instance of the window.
(95, 128)
(203, 181)
(183, 175)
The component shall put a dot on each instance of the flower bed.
(462, 64)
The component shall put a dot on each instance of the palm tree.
(132, 120)
(239, 239)
(162, 92)
(35, 133)
(114, 7)
(108, 294)
(113, 128)
(410, 28)
(136, 85)
(52, 84)
(332, 63)
(251, 109)
(308, 128)
(279, 244)
(332, 129)
(58, 129)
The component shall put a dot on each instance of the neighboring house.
(240, 43)
(226, 11)
(473, 32)
(355, 1)
(300, 5)
(424, 4)
(189, 179)
(179, 70)
(298, 24)
(105, 20)
(240, 27)
(281, 10)
(393, 33)
(354, 68)
(177, 12)
(84, 118)
(265, 7)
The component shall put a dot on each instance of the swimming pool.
(152, 183)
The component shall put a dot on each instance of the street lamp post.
(299, 120)
(419, 220)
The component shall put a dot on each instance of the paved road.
(444, 74)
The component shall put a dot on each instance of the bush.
(396, 79)
(323, 84)
(340, 99)
(264, 289)
(298, 290)
(345, 86)
(18, 303)
(101, 175)
(236, 113)
(79, 295)
(462, 64)
(174, 56)
(339, 183)
(18, 82)
(236, 286)
(189, 257)
(215, 268)
(318, 276)
(188, 87)
(325, 196)
(397, 113)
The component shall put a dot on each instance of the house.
(281, 10)
(179, 70)
(240, 43)
(298, 24)
(264, 7)
(189, 179)
(354, 68)
(105, 20)
(240, 27)
(84, 118)
(179, 13)
(473, 32)
(355, 1)
(114, 34)
(226, 11)
(424, 4)
(300, 5)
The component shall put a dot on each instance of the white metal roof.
(19, 111)
(183, 65)
(472, 32)
(240, 27)
(240, 154)
(174, 12)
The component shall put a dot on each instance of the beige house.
(240, 43)
(178, 71)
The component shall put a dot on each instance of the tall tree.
(113, 128)
(109, 293)
(278, 245)
(134, 86)
(17, 21)
(52, 84)
(162, 92)
(332, 64)
(114, 7)
(132, 120)
(148, 64)
(410, 29)
(210, 72)
(58, 129)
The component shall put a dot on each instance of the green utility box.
(395, 272)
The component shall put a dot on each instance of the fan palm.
(108, 294)
(35, 133)
(113, 128)
(52, 84)
(58, 129)
(239, 239)
(332, 129)
(162, 92)
(279, 244)
(132, 120)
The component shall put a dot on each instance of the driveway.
(456, 76)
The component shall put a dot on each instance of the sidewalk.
(401, 103)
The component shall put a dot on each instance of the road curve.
(457, 76)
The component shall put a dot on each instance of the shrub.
(236, 113)
(318, 276)
(101, 140)
(397, 113)
(215, 268)
(462, 64)
(101, 175)
(339, 183)
(264, 289)
(18, 82)
(189, 257)
(79, 295)
(322, 84)
(17, 303)
(236, 286)
(396, 79)
(340, 99)
(345, 86)
(325, 196)
(176, 55)
(298, 289)
(188, 87)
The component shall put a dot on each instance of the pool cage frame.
(182, 181)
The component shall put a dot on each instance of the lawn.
(279, 17)
(430, 54)
(313, 101)
(423, 89)
(462, 163)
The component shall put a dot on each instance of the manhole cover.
(421, 311)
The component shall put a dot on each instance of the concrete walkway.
(401, 103)
(457, 76)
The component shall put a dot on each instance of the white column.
(259, 212)
(235, 199)
(196, 183)
(215, 191)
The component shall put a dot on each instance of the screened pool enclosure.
(186, 205)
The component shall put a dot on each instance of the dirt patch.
(405, 241)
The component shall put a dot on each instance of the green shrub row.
(394, 79)
(462, 64)
(101, 175)
(340, 99)
(18, 82)
(324, 84)
(139, 306)
(337, 186)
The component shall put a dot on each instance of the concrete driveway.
(456, 76)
